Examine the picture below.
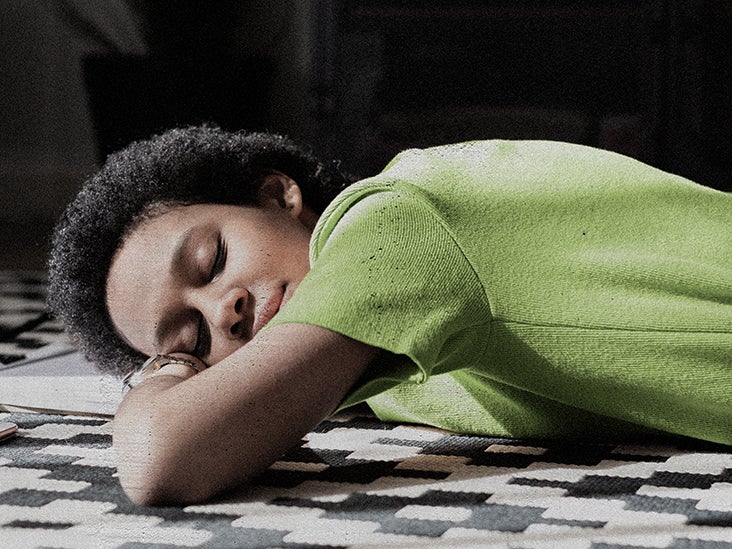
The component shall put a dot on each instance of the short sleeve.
(388, 273)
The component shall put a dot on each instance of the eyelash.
(219, 262)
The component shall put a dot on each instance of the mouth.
(287, 291)
(266, 312)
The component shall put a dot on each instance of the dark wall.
(647, 78)
(192, 72)
(360, 80)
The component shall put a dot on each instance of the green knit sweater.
(531, 289)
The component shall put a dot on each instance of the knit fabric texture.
(531, 289)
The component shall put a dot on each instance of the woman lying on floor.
(516, 289)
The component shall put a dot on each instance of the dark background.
(357, 80)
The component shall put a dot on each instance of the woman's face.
(203, 279)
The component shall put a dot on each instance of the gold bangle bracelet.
(152, 365)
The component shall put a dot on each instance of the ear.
(279, 191)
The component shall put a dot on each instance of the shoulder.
(377, 210)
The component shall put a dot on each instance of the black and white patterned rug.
(358, 482)
(24, 325)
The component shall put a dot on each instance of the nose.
(228, 313)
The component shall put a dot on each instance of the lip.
(265, 313)
(288, 290)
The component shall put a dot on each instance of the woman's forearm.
(143, 430)
(183, 441)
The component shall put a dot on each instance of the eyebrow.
(167, 323)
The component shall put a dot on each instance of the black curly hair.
(201, 164)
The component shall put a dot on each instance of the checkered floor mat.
(24, 324)
(357, 482)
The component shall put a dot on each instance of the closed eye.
(203, 339)
(220, 259)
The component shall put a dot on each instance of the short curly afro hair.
(195, 165)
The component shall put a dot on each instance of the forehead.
(138, 273)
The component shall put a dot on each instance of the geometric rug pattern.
(24, 324)
(359, 482)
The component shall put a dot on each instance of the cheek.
(223, 348)
(183, 339)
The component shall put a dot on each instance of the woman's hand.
(183, 442)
